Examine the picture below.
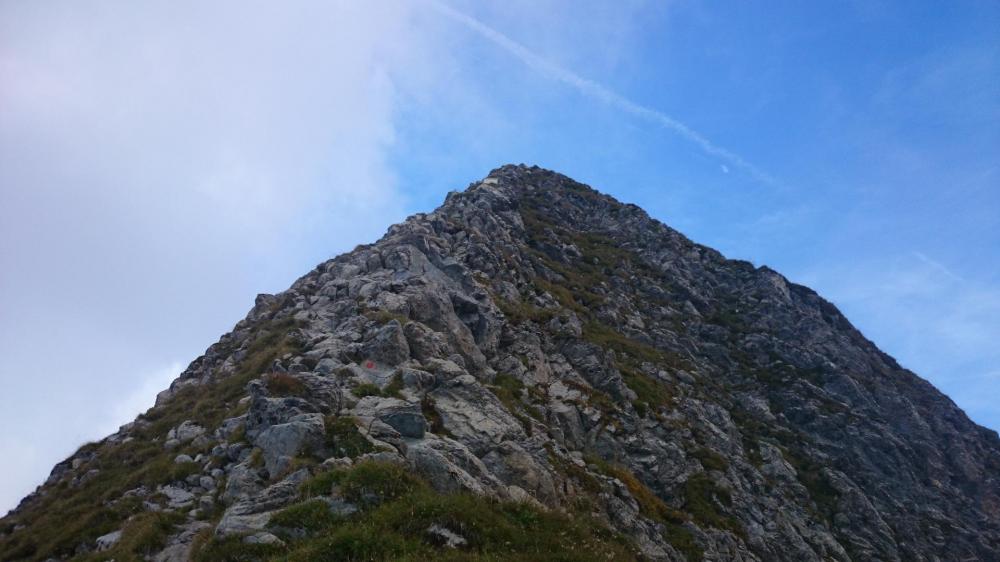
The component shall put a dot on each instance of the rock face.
(535, 341)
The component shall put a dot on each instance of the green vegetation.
(208, 405)
(371, 483)
(69, 516)
(509, 390)
(391, 390)
(344, 438)
(384, 317)
(308, 517)
(651, 506)
(143, 535)
(233, 549)
(284, 384)
(683, 541)
(702, 497)
(811, 475)
(650, 392)
(609, 338)
(519, 312)
(596, 398)
(580, 291)
(793, 446)
(366, 389)
(321, 484)
(726, 316)
(570, 469)
(395, 386)
(398, 510)
(709, 459)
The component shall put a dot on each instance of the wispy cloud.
(600, 92)
(937, 266)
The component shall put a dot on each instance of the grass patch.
(709, 459)
(398, 509)
(683, 541)
(233, 549)
(366, 483)
(396, 527)
(811, 475)
(284, 384)
(494, 530)
(209, 404)
(394, 388)
(308, 517)
(344, 437)
(384, 317)
(608, 338)
(509, 390)
(519, 312)
(651, 506)
(69, 516)
(371, 483)
(702, 498)
(366, 389)
(144, 535)
(585, 479)
(650, 393)
(595, 397)
(391, 390)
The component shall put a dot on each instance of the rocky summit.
(534, 371)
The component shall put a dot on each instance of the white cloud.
(160, 163)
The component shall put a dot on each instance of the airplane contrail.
(599, 92)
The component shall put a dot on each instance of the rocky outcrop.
(535, 341)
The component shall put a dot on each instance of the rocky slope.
(532, 371)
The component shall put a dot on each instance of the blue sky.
(162, 164)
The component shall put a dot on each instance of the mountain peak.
(532, 367)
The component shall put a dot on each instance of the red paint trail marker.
(369, 365)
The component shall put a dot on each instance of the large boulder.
(185, 432)
(404, 417)
(252, 513)
(282, 442)
(450, 466)
(244, 481)
(474, 415)
(388, 345)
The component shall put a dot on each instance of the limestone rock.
(282, 442)
(533, 340)
(107, 541)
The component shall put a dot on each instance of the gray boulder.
(388, 346)
(107, 541)
(179, 545)
(282, 442)
(252, 513)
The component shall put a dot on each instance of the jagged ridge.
(540, 344)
